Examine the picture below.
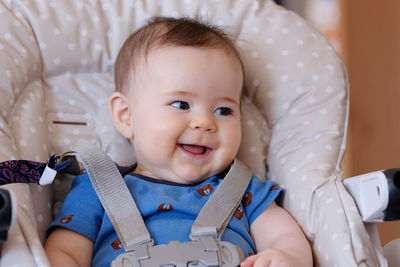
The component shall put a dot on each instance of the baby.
(179, 86)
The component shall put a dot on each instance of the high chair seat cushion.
(56, 72)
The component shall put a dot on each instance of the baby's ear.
(121, 114)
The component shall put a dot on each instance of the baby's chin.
(184, 173)
(190, 178)
(193, 175)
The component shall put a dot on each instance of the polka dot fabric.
(56, 65)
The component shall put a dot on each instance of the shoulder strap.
(217, 212)
(125, 216)
(114, 196)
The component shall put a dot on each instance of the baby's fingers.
(256, 261)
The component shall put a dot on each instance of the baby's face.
(185, 113)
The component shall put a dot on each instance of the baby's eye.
(180, 105)
(224, 111)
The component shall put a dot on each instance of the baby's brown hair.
(165, 31)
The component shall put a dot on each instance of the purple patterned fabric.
(20, 171)
(24, 171)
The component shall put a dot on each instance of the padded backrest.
(56, 65)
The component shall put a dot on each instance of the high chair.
(56, 72)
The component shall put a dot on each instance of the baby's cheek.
(232, 142)
(159, 144)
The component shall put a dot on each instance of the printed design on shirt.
(116, 244)
(239, 212)
(247, 198)
(274, 188)
(205, 190)
(165, 207)
(66, 219)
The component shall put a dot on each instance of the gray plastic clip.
(203, 252)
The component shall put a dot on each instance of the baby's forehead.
(181, 59)
(143, 61)
(168, 58)
(179, 64)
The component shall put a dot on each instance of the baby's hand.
(271, 258)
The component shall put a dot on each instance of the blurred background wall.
(366, 34)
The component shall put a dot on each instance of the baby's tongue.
(194, 149)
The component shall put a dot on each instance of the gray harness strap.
(114, 196)
(125, 216)
(218, 210)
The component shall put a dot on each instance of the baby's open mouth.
(195, 149)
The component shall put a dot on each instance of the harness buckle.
(202, 252)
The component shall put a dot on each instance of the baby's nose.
(204, 123)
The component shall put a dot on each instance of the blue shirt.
(168, 210)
